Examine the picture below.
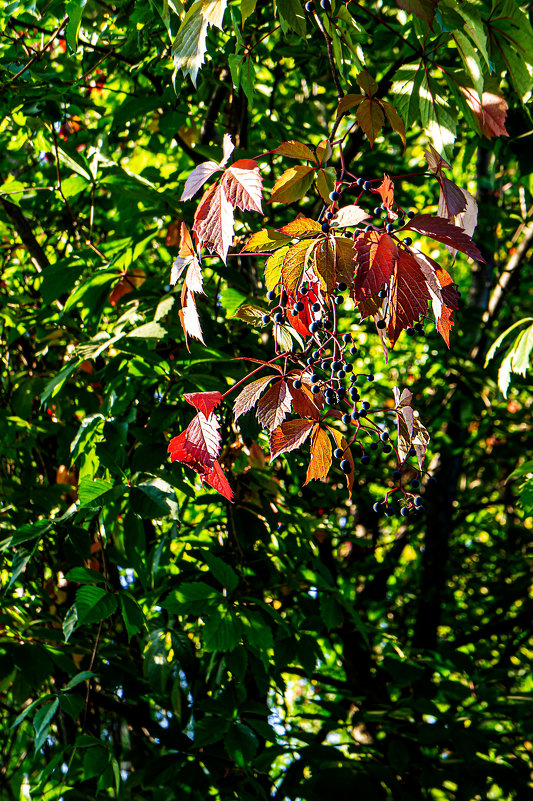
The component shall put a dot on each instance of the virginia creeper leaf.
(294, 264)
(248, 397)
(320, 455)
(242, 184)
(274, 406)
(204, 402)
(348, 216)
(295, 150)
(370, 117)
(302, 226)
(444, 231)
(273, 267)
(265, 241)
(197, 179)
(289, 436)
(292, 184)
(375, 256)
(213, 222)
(348, 102)
(409, 295)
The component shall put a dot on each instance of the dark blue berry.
(410, 332)
(310, 359)
(314, 327)
(338, 300)
(315, 389)
(381, 324)
(316, 307)
(365, 405)
(335, 195)
(328, 325)
(353, 350)
(365, 459)
(390, 227)
(411, 214)
(271, 295)
(324, 365)
(348, 368)
(382, 293)
(415, 483)
(407, 241)
(278, 317)
(299, 306)
(363, 413)
(346, 466)
(341, 374)
(346, 419)
(316, 354)
(360, 182)
(325, 227)
(355, 415)
(266, 318)
(354, 395)
(378, 210)
(346, 337)
(341, 393)
(405, 511)
(367, 185)
(338, 453)
(304, 290)
(329, 215)
(419, 328)
(297, 384)
(370, 377)
(387, 448)
(377, 507)
(384, 436)
(373, 446)
(341, 286)
(309, 6)
(396, 476)
(418, 501)
(315, 378)
(432, 481)
(294, 312)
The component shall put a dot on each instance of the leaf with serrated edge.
(274, 405)
(253, 315)
(273, 267)
(213, 11)
(304, 402)
(227, 149)
(375, 257)
(248, 397)
(323, 152)
(386, 191)
(204, 402)
(294, 264)
(344, 255)
(289, 436)
(348, 102)
(325, 183)
(320, 455)
(324, 264)
(301, 227)
(371, 118)
(189, 46)
(395, 121)
(292, 185)
(367, 83)
(295, 150)
(243, 184)
(213, 222)
(189, 318)
(197, 179)
(202, 440)
(444, 231)
(265, 241)
(409, 295)
(216, 479)
(348, 216)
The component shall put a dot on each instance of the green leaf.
(471, 61)
(192, 598)
(154, 500)
(241, 743)
(74, 9)
(94, 604)
(132, 614)
(41, 722)
(222, 631)
(85, 675)
(91, 489)
(54, 385)
(221, 571)
(69, 622)
(292, 16)
(148, 331)
(247, 9)
(84, 575)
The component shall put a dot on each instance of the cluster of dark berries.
(325, 5)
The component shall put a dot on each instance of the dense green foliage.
(155, 639)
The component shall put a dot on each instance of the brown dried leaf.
(274, 405)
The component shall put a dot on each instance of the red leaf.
(202, 439)
(386, 191)
(452, 198)
(444, 296)
(213, 221)
(178, 452)
(320, 455)
(242, 184)
(248, 397)
(289, 436)
(376, 255)
(409, 295)
(444, 231)
(303, 319)
(216, 479)
(490, 115)
(274, 405)
(304, 402)
(204, 402)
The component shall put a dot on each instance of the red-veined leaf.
(202, 441)
(376, 255)
(248, 397)
(409, 295)
(444, 297)
(179, 453)
(213, 222)
(367, 83)
(490, 115)
(348, 216)
(265, 241)
(295, 150)
(304, 318)
(292, 184)
(444, 231)
(242, 184)
(301, 226)
(320, 455)
(294, 264)
(370, 117)
(304, 402)
(274, 406)
(348, 102)
(289, 436)
(324, 264)
(197, 179)
(204, 402)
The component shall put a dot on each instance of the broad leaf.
(320, 455)
(375, 256)
(289, 436)
(242, 184)
(292, 184)
(197, 179)
(370, 117)
(204, 402)
(295, 150)
(409, 295)
(348, 216)
(213, 221)
(248, 397)
(300, 227)
(265, 241)
(444, 231)
(274, 406)
(294, 264)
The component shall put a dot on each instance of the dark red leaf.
(375, 257)
(409, 295)
(444, 231)
(216, 479)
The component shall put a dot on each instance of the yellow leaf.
(292, 184)
(264, 241)
(348, 102)
(324, 265)
(294, 264)
(300, 227)
(273, 267)
(320, 455)
(325, 183)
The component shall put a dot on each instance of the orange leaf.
(301, 226)
(386, 191)
(320, 455)
(348, 102)
(292, 184)
(395, 121)
(370, 117)
(295, 150)
(490, 113)
(324, 264)
(367, 83)
(409, 295)
(289, 436)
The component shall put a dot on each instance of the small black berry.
(390, 227)
(405, 511)
(411, 214)
(348, 368)
(365, 405)
(407, 241)
(346, 419)
(378, 210)
(373, 446)
(294, 312)
(324, 365)
(334, 195)
(310, 359)
(353, 350)
(297, 384)
(341, 286)
(304, 290)
(325, 227)
(266, 318)
(278, 317)
(338, 453)
(315, 389)
(410, 332)
(316, 307)
(367, 185)
(381, 324)
(299, 306)
(329, 215)
(360, 182)
(341, 393)
(341, 374)
(386, 448)
(415, 483)
(377, 507)
(365, 459)
(418, 501)
(370, 377)
(309, 6)
(354, 395)
(271, 295)
(396, 476)
(338, 300)
(346, 337)
(314, 327)
(328, 325)
(384, 437)
(346, 466)
(382, 293)
(315, 378)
